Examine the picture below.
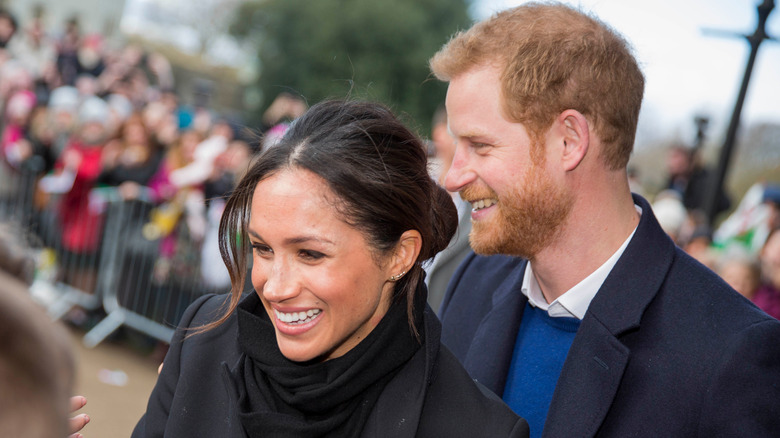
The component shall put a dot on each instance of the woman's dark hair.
(376, 167)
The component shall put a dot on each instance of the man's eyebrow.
(472, 135)
(478, 137)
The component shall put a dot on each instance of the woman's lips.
(296, 322)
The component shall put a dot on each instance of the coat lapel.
(588, 383)
(490, 354)
(397, 411)
(594, 366)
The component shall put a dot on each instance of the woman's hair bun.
(444, 217)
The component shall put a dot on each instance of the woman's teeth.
(297, 317)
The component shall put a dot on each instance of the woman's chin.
(297, 352)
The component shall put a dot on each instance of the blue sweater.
(540, 350)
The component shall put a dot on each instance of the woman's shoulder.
(203, 311)
(456, 405)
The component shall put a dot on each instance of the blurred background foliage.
(368, 49)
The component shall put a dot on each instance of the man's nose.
(460, 173)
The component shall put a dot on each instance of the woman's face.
(739, 276)
(321, 284)
(135, 133)
(189, 142)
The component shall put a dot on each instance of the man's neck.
(593, 232)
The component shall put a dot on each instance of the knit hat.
(20, 104)
(65, 98)
(94, 109)
(121, 106)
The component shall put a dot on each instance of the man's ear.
(406, 253)
(574, 133)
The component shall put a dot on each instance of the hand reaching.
(76, 423)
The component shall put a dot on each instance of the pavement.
(116, 377)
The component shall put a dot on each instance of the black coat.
(432, 395)
(666, 348)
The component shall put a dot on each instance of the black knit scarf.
(281, 398)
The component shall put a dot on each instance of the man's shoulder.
(705, 296)
(480, 285)
(692, 309)
(486, 270)
(479, 277)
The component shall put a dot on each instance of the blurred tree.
(209, 17)
(369, 49)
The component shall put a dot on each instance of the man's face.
(518, 203)
(7, 29)
(677, 162)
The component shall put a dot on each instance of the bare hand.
(75, 424)
(24, 148)
(109, 156)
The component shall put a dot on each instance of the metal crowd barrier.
(17, 194)
(68, 279)
(143, 277)
(140, 288)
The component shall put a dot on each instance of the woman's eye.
(261, 249)
(310, 255)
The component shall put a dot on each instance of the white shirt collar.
(574, 302)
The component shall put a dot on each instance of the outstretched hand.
(76, 423)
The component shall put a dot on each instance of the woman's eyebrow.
(296, 240)
(305, 238)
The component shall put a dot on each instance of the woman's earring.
(397, 277)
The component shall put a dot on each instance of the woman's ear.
(406, 253)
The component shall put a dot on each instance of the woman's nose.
(280, 282)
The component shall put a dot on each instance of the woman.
(130, 161)
(337, 340)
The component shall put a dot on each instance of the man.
(580, 311)
(441, 268)
(692, 180)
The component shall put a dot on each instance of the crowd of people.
(87, 122)
(741, 249)
(577, 307)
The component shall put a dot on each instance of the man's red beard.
(526, 221)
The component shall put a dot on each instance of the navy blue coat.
(666, 348)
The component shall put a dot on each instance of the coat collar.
(397, 411)
(594, 366)
(490, 354)
(636, 277)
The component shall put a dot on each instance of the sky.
(688, 72)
